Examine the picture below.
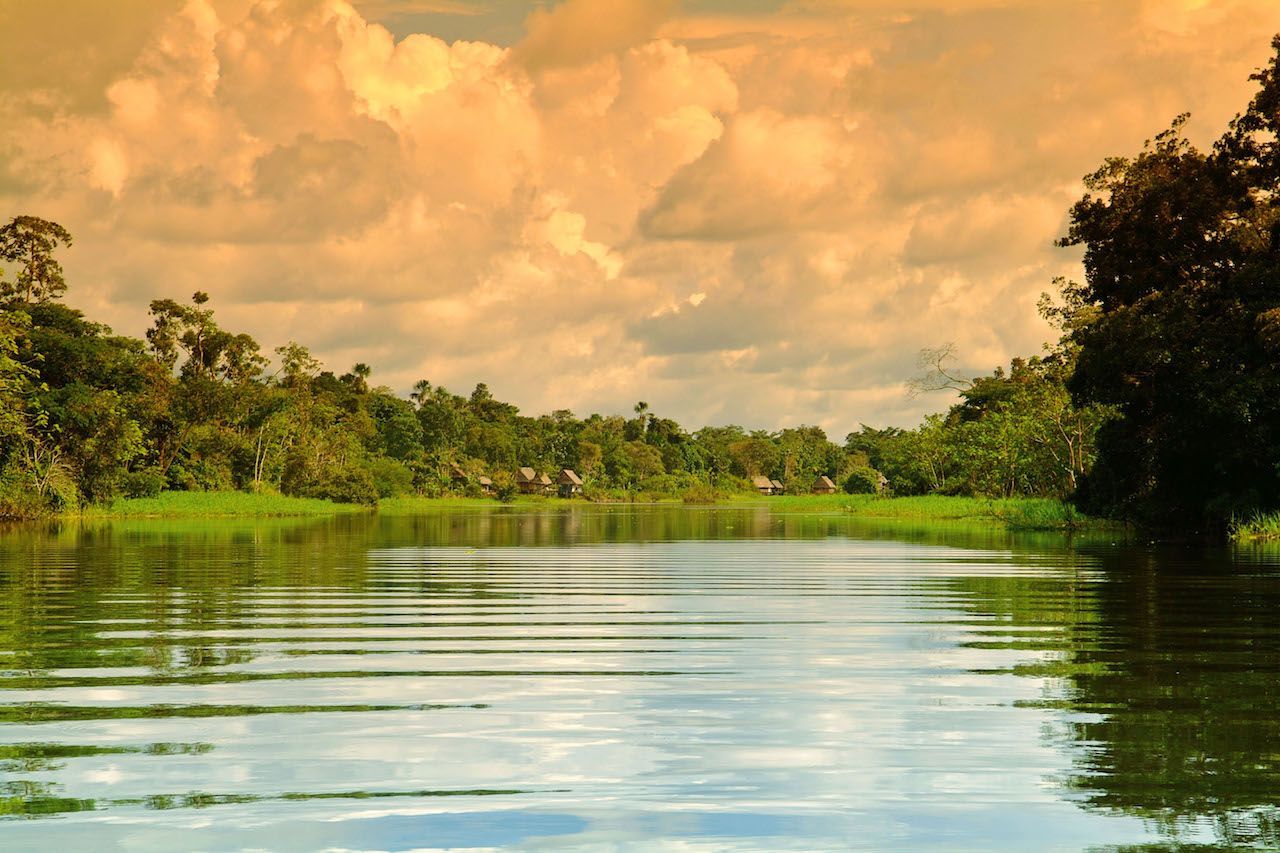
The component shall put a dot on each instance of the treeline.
(87, 415)
(1160, 403)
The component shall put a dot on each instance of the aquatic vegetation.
(1261, 527)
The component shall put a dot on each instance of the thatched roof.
(457, 473)
(526, 475)
(569, 478)
(823, 482)
(762, 482)
(544, 480)
(776, 484)
(484, 481)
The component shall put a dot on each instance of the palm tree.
(360, 376)
(421, 389)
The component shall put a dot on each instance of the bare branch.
(937, 375)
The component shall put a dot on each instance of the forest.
(1160, 402)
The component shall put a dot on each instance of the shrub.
(504, 486)
(704, 493)
(351, 485)
(143, 483)
(862, 481)
(392, 479)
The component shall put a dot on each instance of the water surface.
(636, 678)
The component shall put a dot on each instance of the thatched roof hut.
(824, 485)
(569, 482)
(763, 485)
(529, 481)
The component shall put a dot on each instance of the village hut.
(545, 485)
(527, 481)
(778, 488)
(763, 485)
(570, 483)
(458, 477)
(486, 485)
(824, 486)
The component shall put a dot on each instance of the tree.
(216, 381)
(297, 365)
(30, 242)
(753, 456)
(1182, 263)
(590, 456)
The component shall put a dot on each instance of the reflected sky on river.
(631, 677)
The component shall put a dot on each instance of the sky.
(752, 212)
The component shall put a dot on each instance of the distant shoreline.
(1011, 513)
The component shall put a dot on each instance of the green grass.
(1014, 513)
(416, 504)
(1262, 527)
(218, 505)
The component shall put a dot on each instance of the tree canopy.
(1182, 271)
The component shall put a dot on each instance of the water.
(631, 679)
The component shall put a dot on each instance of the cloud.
(379, 9)
(768, 173)
(746, 217)
(575, 32)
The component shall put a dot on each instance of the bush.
(704, 493)
(862, 481)
(349, 485)
(17, 499)
(504, 486)
(143, 483)
(391, 479)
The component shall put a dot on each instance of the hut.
(458, 477)
(486, 485)
(824, 486)
(763, 485)
(527, 481)
(778, 488)
(570, 483)
(545, 485)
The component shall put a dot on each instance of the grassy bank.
(1263, 527)
(218, 505)
(1013, 513)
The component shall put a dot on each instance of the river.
(631, 678)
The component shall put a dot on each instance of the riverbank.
(1013, 513)
(218, 505)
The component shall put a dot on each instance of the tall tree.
(30, 242)
(1182, 262)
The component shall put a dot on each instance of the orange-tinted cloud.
(747, 218)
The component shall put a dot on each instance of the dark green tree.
(1182, 262)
